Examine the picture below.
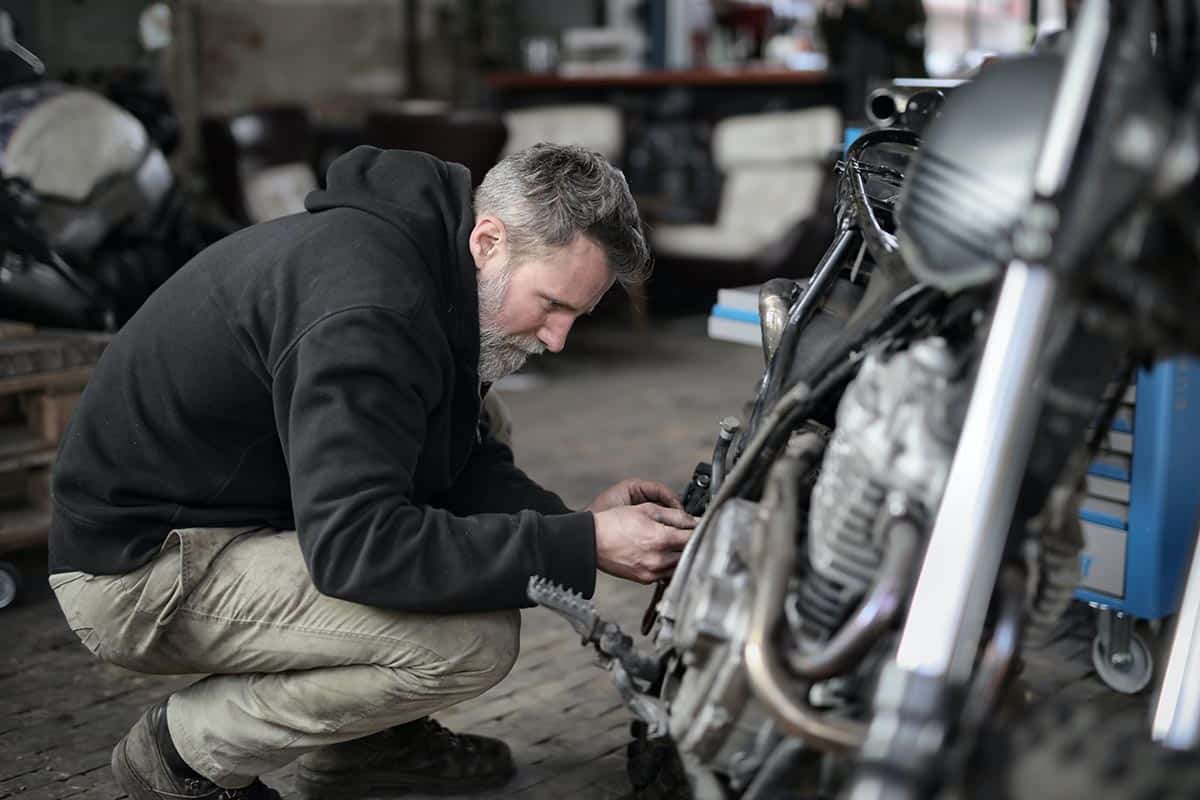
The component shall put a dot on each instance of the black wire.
(778, 438)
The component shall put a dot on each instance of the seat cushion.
(594, 126)
(810, 134)
(704, 241)
(759, 204)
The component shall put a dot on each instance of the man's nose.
(554, 334)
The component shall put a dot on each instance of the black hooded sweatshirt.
(320, 373)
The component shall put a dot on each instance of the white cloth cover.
(72, 142)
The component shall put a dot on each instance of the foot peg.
(610, 641)
(634, 673)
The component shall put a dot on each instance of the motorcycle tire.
(1078, 752)
(654, 767)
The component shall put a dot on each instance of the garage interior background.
(266, 93)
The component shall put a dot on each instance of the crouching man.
(278, 477)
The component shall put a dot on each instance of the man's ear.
(488, 242)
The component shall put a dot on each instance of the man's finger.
(666, 572)
(665, 562)
(674, 517)
(656, 492)
(674, 538)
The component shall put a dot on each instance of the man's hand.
(643, 542)
(633, 491)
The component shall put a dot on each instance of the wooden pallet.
(42, 374)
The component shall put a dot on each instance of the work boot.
(420, 756)
(147, 767)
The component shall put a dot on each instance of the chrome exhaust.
(774, 552)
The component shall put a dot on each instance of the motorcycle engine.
(715, 719)
(895, 433)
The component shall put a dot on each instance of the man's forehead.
(580, 268)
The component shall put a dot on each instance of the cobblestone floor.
(617, 404)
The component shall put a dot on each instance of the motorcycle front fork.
(912, 705)
(915, 701)
(1176, 720)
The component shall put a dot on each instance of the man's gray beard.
(500, 353)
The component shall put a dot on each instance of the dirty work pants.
(289, 669)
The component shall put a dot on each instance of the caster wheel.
(1130, 678)
(10, 584)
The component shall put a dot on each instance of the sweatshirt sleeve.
(492, 482)
(352, 396)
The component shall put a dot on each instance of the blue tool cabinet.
(1139, 516)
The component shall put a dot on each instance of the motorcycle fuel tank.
(972, 178)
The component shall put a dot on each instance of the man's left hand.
(632, 492)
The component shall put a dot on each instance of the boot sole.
(314, 785)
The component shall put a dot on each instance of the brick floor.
(616, 405)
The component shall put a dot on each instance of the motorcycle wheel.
(1081, 753)
(654, 767)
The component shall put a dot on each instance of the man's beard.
(500, 353)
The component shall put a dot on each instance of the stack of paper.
(735, 316)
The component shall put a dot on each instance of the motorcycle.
(92, 219)
(898, 518)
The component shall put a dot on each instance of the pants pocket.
(162, 586)
(125, 619)
(90, 639)
(67, 588)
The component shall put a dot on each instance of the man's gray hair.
(548, 194)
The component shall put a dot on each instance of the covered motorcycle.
(91, 217)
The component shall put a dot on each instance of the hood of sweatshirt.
(428, 201)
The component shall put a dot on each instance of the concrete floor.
(616, 404)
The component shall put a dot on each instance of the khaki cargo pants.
(290, 669)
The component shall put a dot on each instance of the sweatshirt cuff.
(569, 546)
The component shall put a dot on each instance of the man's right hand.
(641, 543)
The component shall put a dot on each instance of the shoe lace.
(255, 791)
(432, 730)
(200, 787)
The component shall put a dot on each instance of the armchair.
(775, 216)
